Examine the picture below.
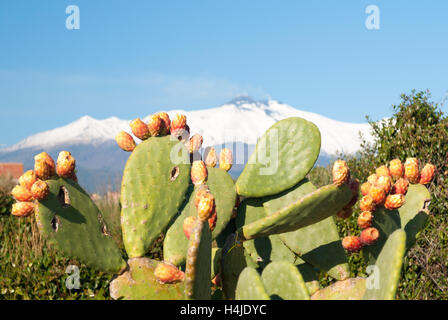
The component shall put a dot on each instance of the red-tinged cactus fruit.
(427, 174)
(188, 226)
(369, 236)
(400, 186)
(367, 204)
(341, 172)
(372, 179)
(65, 165)
(365, 220)
(125, 141)
(42, 170)
(352, 244)
(217, 280)
(195, 143)
(377, 194)
(394, 201)
(49, 161)
(396, 169)
(382, 171)
(211, 158)
(212, 221)
(168, 273)
(40, 190)
(198, 172)
(365, 187)
(22, 209)
(140, 129)
(27, 179)
(155, 125)
(21, 193)
(166, 122)
(225, 159)
(179, 122)
(345, 213)
(411, 170)
(385, 183)
(206, 206)
(202, 190)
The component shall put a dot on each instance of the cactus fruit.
(49, 163)
(369, 236)
(411, 170)
(168, 273)
(195, 143)
(365, 220)
(178, 123)
(212, 220)
(206, 206)
(65, 164)
(394, 201)
(396, 169)
(385, 183)
(400, 186)
(341, 173)
(27, 179)
(140, 129)
(377, 194)
(427, 174)
(352, 244)
(382, 171)
(21, 194)
(367, 204)
(125, 141)
(225, 159)
(22, 209)
(188, 225)
(155, 125)
(365, 187)
(40, 190)
(210, 157)
(198, 172)
(42, 169)
(166, 122)
(372, 179)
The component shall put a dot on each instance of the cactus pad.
(250, 286)
(72, 222)
(349, 289)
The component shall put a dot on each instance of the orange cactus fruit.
(195, 143)
(377, 194)
(198, 172)
(385, 183)
(396, 169)
(400, 186)
(179, 122)
(140, 129)
(40, 190)
(411, 170)
(369, 236)
(49, 161)
(166, 122)
(365, 187)
(372, 179)
(367, 204)
(210, 158)
(206, 206)
(352, 243)
(125, 141)
(21, 193)
(345, 213)
(27, 179)
(201, 192)
(65, 164)
(383, 171)
(427, 174)
(155, 125)
(42, 170)
(212, 221)
(22, 209)
(341, 172)
(225, 159)
(394, 201)
(168, 273)
(365, 220)
(188, 225)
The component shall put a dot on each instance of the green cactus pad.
(250, 286)
(72, 222)
(319, 243)
(262, 250)
(349, 289)
(155, 182)
(283, 156)
(382, 284)
(411, 217)
(139, 283)
(222, 187)
(199, 259)
(310, 209)
(283, 280)
(309, 275)
(216, 262)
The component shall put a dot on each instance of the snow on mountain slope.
(241, 120)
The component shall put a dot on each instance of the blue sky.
(132, 58)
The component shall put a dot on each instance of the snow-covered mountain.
(239, 123)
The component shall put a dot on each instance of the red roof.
(11, 169)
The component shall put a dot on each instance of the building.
(14, 170)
